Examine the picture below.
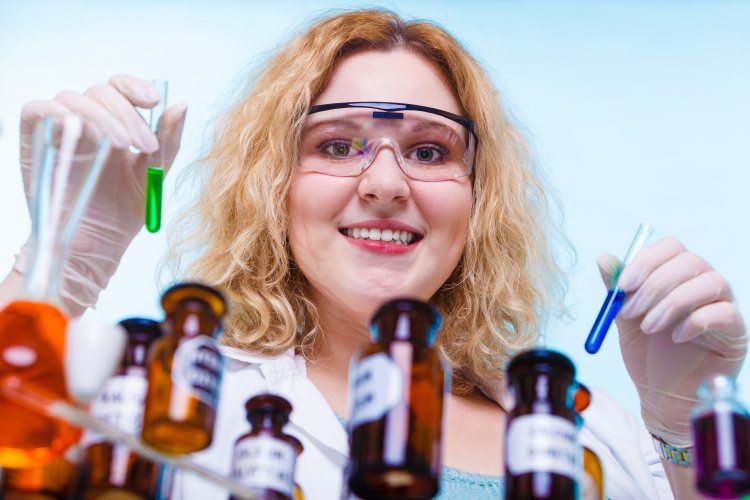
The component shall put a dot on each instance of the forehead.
(389, 76)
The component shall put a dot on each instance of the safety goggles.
(343, 139)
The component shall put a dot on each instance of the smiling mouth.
(404, 238)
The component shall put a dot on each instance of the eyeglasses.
(343, 139)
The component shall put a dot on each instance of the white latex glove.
(116, 210)
(678, 325)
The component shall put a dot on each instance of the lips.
(382, 236)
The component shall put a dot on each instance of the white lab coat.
(632, 468)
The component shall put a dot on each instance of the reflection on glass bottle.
(113, 469)
(184, 371)
(32, 328)
(396, 388)
(721, 430)
(264, 458)
(542, 455)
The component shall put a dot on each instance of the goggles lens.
(344, 142)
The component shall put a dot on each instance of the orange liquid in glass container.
(32, 344)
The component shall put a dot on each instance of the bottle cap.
(542, 361)
(142, 329)
(581, 398)
(267, 403)
(391, 311)
(198, 291)
(717, 386)
(93, 352)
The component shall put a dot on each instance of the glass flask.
(184, 371)
(264, 458)
(33, 327)
(397, 385)
(112, 468)
(721, 432)
(542, 455)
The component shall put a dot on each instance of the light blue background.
(637, 111)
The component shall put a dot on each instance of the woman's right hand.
(116, 210)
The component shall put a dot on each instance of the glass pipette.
(155, 172)
(615, 296)
(33, 396)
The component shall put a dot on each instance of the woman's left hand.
(678, 325)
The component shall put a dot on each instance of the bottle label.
(264, 462)
(542, 443)
(376, 388)
(119, 404)
(196, 367)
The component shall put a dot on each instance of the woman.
(296, 242)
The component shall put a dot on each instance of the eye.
(337, 148)
(427, 153)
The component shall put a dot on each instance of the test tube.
(155, 172)
(615, 295)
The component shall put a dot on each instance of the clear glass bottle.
(33, 327)
(112, 468)
(264, 458)
(542, 454)
(721, 431)
(397, 386)
(184, 371)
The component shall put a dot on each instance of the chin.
(369, 299)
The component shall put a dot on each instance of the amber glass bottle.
(396, 388)
(113, 469)
(32, 343)
(592, 479)
(184, 371)
(49, 481)
(264, 458)
(542, 455)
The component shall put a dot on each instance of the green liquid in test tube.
(155, 173)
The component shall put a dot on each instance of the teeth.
(387, 235)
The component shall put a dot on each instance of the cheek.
(311, 199)
(448, 210)
(314, 203)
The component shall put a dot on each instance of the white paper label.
(543, 443)
(376, 388)
(264, 462)
(196, 367)
(119, 404)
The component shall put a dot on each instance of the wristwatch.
(671, 453)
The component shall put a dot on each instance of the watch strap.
(671, 453)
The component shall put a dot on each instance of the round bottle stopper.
(195, 291)
(717, 386)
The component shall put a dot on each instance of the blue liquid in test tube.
(615, 296)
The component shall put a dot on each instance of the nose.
(383, 181)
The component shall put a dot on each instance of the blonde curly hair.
(496, 300)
